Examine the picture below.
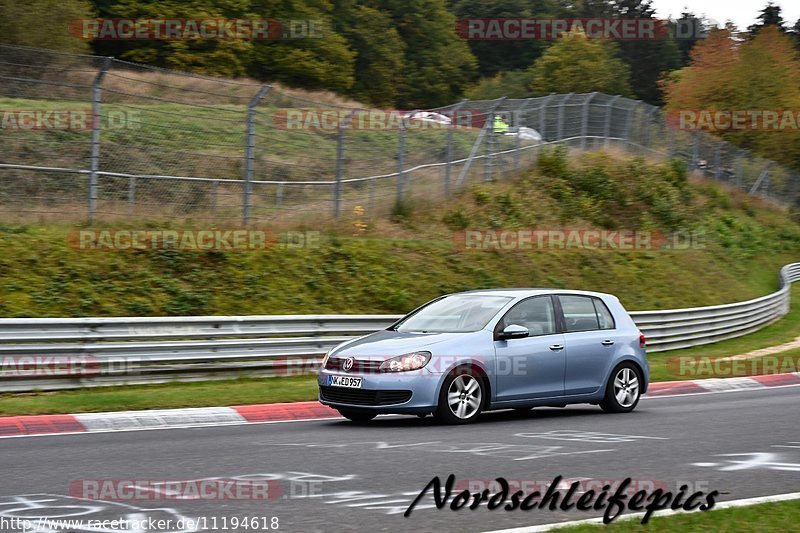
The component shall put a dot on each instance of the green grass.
(764, 518)
(162, 396)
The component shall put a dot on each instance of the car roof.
(525, 292)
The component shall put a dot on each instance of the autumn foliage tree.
(760, 74)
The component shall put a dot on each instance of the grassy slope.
(394, 266)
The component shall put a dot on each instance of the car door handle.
(556, 347)
(607, 342)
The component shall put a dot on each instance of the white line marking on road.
(667, 512)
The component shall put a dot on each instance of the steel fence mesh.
(108, 139)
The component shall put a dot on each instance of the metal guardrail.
(56, 353)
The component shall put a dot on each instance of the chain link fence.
(94, 138)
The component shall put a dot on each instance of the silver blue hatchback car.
(469, 352)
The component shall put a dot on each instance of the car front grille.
(362, 366)
(363, 396)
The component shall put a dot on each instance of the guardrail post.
(249, 153)
(585, 120)
(607, 125)
(94, 162)
(449, 148)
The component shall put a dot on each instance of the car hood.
(390, 343)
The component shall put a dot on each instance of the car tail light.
(642, 340)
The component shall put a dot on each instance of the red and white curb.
(673, 388)
(20, 426)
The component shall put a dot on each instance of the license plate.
(350, 382)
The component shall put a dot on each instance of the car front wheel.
(623, 389)
(461, 398)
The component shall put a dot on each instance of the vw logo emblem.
(348, 364)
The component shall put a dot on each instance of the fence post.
(607, 125)
(214, 186)
(560, 130)
(543, 116)
(486, 127)
(401, 153)
(337, 188)
(97, 87)
(518, 143)
(695, 150)
(249, 153)
(717, 160)
(648, 124)
(629, 122)
(131, 194)
(585, 120)
(490, 147)
(449, 148)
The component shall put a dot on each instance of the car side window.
(603, 314)
(579, 313)
(536, 314)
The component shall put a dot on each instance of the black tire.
(623, 390)
(464, 403)
(359, 417)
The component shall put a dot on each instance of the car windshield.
(459, 313)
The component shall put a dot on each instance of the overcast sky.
(743, 13)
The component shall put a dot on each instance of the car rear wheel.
(359, 417)
(623, 389)
(461, 397)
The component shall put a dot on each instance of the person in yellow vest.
(500, 126)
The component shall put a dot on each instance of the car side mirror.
(513, 331)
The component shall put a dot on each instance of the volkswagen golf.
(475, 351)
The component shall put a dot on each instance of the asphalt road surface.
(332, 475)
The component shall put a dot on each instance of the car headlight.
(407, 362)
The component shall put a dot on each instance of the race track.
(332, 475)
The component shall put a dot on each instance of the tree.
(512, 83)
(649, 60)
(438, 64)
(771, 15)
(43, 23)
(578, 64)
(379, 51)
(761, 74)
(324, 62)
(496, 56)
(222, 57)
